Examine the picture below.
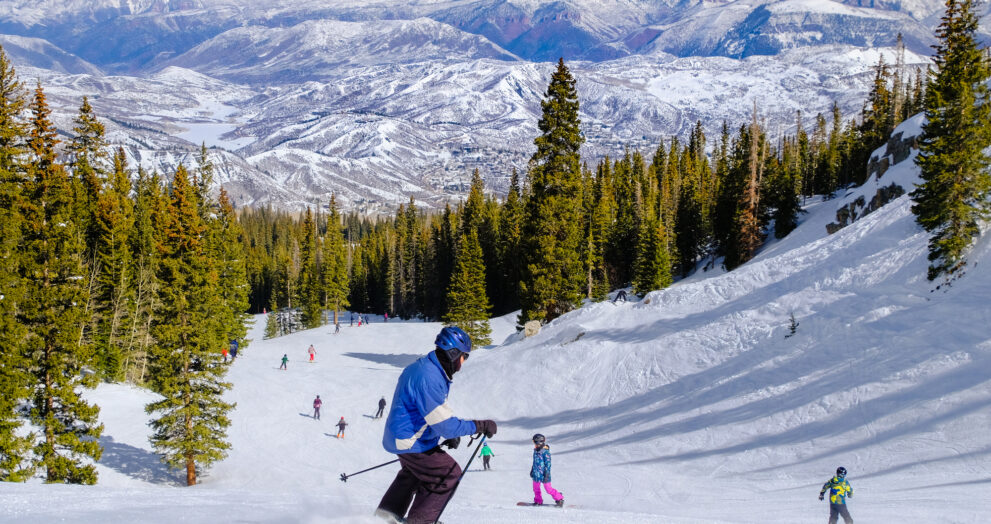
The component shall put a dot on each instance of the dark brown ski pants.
(427, 480)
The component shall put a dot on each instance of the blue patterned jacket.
(541, 470)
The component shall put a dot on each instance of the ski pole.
(344, 477)
(456, 484)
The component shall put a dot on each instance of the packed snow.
(695, 404)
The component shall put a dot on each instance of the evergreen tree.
(335, 263)
(191, 419)
(552, 283)
(52, 311)
(149, 214)
(953, 197)
(653, 266)
(468, 305)
(510, 242)
(14, 378)
(600, 231)
(309, 282)
(114, 219)
(227, 249)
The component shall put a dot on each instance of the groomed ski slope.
(690, 406)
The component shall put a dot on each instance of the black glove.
(485, 427)
(452, 443)
(820, 496)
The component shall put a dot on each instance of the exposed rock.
(531, 328)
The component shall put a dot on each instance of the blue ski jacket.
(420, 416)
(541, 470)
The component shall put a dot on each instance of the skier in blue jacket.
(418, 419)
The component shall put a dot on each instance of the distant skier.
(386, 316)
(620, 295)
(285, 360)
(540, 472)
(337, 328)
(352, 320)
(340, 427)
(839, 490)
(378, 414)
(486, 454)
(234, 345)
(419, 418)
(312, 351)
(223, 351)
(316, 407)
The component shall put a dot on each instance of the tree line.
(107, 274)
(568, 232)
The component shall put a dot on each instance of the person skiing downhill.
(316, 407)
(418, 419)
(378, 414)
(312, 351)
(540, 472)
(340, 427)
(839, 490)
(285, 360)
(486, 454)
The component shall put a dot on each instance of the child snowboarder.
(316, 407)
(312, 351)
(486, 454)
(285, 359)
(340, 427)
(378, 414)
(541, 472)
(839, 490)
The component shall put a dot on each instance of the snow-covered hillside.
(378, 101)
(692, 405)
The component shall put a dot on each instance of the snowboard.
(551, 505)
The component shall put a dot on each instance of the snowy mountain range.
(379, 100)
(699, 403)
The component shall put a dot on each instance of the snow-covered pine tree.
(15, 462)
(189, 428)
(553, 277)
(954, 194)
(468, 306)
(52, 311)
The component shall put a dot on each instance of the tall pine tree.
(189, 428)
(335, 263)
(14, 379)
(52, 311)
(468, 305)
(552, 282)
(953, 196)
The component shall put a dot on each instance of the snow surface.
(689, 406)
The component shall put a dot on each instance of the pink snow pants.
(537, 499)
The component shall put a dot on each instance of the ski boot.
(389, 516)
(559, 502)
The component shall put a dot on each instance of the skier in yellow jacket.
(839, 490)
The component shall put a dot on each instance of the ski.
(544, 505)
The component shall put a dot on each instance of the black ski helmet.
(538, 439)
(841, 472)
